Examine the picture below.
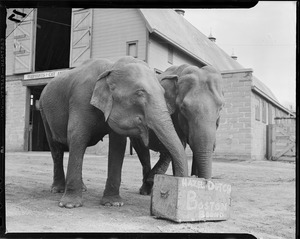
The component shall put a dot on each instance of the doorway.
(37, 136)
(53, 33)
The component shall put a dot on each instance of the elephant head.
(195, 99)
(132, 100)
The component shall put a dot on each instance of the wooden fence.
(281, 139)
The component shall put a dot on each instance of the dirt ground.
(263, 199)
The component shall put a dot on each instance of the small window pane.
(132, 49)
(170, 54)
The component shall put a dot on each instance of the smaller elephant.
(194, 97)
(100, 97)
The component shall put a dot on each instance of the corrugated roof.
(180, 32)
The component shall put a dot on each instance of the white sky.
(263, 38)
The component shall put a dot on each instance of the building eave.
(268, 98)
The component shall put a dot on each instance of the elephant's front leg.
(144, 157)
(117, 147)
(159, 168)
(73, 190)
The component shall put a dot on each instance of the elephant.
(100, 97)
(195, 98)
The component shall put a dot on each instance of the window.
(264, 111)
(276, 112)
(170, 54)
(132, 49)
(257, 109)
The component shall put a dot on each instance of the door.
(37, 135)
(23, 41)
(80, 36)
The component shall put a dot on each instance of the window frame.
(257, 109)
(170, 54)
(128, 44)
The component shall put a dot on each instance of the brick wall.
(234, 132)
(16, 95)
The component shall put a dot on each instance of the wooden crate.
(187, 199)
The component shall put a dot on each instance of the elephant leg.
(57, 152)
(77, 145)
(144, 157)
(117, 147)
(159, 168)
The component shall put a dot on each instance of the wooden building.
(49, 41)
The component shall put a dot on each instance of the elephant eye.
(138, 119)
(140, 92)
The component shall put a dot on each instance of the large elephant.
(194, 97)
(98, 98)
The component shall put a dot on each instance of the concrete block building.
(50, 41)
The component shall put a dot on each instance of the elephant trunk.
(165, 131)
(202, 143)
(202, 164)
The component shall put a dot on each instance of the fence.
(281, 138)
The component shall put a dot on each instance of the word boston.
(186, 199)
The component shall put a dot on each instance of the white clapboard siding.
(23, 42)
(80, 36)
(113, 29)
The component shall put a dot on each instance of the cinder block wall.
(234, 132)
(16, 97)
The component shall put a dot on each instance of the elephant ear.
(169, 83)
(102, 95)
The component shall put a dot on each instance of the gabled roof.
(175, 29)
(257, 83)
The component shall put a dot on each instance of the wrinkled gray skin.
(97, 98)
(194, 98)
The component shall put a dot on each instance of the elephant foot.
(70, 201)
(146, 188)
(57, 188)
(115, 201)
(61, 188)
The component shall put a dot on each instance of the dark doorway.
(37, 135)
(53, 38)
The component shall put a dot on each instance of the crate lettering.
(226, 188)
(206, 209)
(191, 182)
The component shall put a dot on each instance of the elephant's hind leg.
(57, 152)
